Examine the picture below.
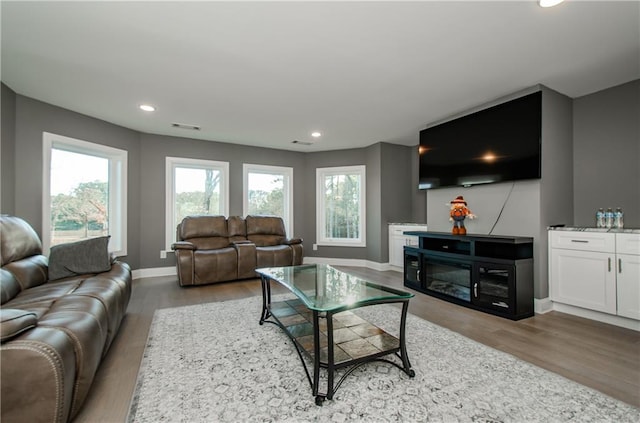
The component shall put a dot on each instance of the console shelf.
(489, 273)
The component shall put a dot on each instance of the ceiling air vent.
(301, 142)
(185, 126)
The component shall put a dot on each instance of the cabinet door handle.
(418, 275)
(619, 265)
(475, 290)
(609, 260)
(583, 241)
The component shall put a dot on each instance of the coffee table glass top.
(325, 288)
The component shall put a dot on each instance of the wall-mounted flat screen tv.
(497, 144)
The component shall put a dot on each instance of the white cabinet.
(596, 271)
(584, 279)
(397, 241)
(628, 275)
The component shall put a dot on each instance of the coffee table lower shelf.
(347, 338)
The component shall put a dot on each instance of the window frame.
(171, 163)
(321, 239)
(287, 173)
(118, 165)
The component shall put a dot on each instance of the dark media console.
(489, 273)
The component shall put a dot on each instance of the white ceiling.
(267, 73)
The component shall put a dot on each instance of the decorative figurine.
(457, 214)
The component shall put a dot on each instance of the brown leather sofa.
(54, 332)
(213, 249)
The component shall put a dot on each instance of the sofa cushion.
(9, 286)
(215, 265)
(80, 258)
(17, 240)
(237, 228)
(202, 227)
(210, 243)
(265, 231)
(274, 256)
(48, 292)
(29, 272)
(15, 321)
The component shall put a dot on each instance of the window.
(269, 190)
(194, 187)
(340, 198)
(84, 192)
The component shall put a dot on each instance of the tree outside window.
(79, 200)
(342, 206)
(84, 192)
(268, 191)
(197, 192)
(194, 187)
(340, 196)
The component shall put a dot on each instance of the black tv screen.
(497, 144)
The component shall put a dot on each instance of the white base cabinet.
(584, 279)
(596, 271)
(628, 275)
(397, 241)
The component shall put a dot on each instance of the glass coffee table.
(319, 322)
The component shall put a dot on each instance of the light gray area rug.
(215, 363)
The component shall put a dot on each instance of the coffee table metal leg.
(316, 358)
(403, 346)
(331, 363)
(266, 298)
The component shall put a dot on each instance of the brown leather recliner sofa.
(54, 332)
(213, 249)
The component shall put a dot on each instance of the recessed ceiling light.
(549, 3)
(316, 134)
(147, 108)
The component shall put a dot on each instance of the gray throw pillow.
(79, 258)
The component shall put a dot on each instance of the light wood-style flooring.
(601, 356)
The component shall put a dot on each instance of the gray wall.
(606, 153)
(7, 149)
(155, 149)
(25, 119)
(34, 117)
(389, 196)
(349, 157)
(392, 175)
(556, 185)
(397, 188)
(523, 208)
(374, 203)
(418, 196)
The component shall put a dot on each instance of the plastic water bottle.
(609, 218)
(600, 221)
(619, 218)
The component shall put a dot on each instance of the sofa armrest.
(246, 258)
(15, 321)
(183, 245)
(292, 241)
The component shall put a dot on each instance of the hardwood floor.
(601, 356)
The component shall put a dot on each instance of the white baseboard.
(542, 305)
(153, 272)
(396, 268)
(171, 271)
(596, 315)
(381, 267)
